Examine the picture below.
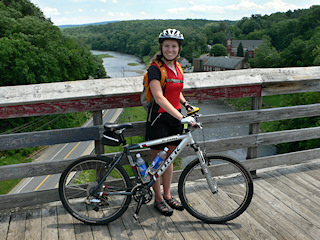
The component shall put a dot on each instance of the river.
(117, 66)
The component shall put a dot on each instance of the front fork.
(204, 166)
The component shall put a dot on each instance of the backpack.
(146, 95)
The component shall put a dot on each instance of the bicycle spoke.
(78, 182)
(234, 190)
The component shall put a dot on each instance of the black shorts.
(163, 125)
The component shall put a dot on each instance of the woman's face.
(170, 49)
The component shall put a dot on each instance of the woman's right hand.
(189, 120)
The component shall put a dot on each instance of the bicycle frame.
(185, 139)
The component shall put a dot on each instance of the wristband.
(184, 104)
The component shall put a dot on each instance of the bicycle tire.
(234, 184)
(81, 176)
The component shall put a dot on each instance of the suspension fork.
(204, 166)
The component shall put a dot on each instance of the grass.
(133, 64)
(105, 55)
(25, 155)
(11, 157)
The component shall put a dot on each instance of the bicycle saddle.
(116, 126)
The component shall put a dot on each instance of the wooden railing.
(95, 95)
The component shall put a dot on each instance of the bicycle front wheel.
(233, 184)
(79, 180)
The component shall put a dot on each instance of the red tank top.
(173, 88)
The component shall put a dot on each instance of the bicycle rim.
(234, 185)
(78, 180)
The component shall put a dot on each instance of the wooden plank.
(49, 223)
(49, 137)
(4, 222)
(17, 226)
(99, 231)
(254, 128)
(33, 224)
(270, 214)
(263, 115)
(33, 139)
(98, 121)
(273, 195)
(28, 199)
(133, 228)
(223, 93)
(82, 230)
(118, 230)
(294, 190)
(148, 223)
(261, 209)
(90, 95)
(65, 226)
(304, 180)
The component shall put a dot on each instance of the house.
(199, 62)
(224, 63)
(184, 62)
(248, 46)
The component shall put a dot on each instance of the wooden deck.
(286, 205)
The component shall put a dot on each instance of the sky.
(64, 12)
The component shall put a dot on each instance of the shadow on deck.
(286, 205)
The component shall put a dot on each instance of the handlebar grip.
(195, 110)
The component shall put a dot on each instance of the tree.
(218, 50)
(240, 52)
(33, 50)
(266, 56)
(316, 54)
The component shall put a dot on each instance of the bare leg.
(166, 178)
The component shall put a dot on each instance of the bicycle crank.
(142, 195)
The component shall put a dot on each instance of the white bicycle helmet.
(171, 34)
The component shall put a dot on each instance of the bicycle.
(97, 189)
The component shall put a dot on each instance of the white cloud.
(80, 10)
(104, 1)
(119, 14)
(51, 11)
(244, 5)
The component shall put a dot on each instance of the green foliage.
(33, 50)
(266, 56)
(240, 52)
(291, 38)
(139, 37)
(218, 50)
(316, 54)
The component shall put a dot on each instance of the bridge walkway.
(286, 205)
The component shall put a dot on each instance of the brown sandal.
(174, 203)
(163, 208)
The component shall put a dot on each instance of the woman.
(165, 117)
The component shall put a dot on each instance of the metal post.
(254, 128)
(97, 120)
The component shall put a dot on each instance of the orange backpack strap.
(163, 71)
(180, 68)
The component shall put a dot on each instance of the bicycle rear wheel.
(234, 189)
(78, 181)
